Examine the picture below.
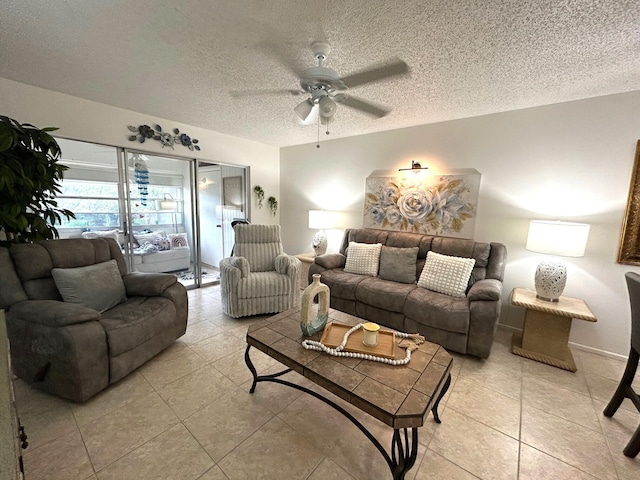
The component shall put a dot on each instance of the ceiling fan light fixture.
(327, 107)
(303, 109)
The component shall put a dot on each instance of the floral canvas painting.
(431, 204)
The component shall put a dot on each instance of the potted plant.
(273, 205)
(259, 194)
(30, 179)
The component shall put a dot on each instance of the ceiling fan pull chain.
(318, 144)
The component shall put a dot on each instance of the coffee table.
(399, 396)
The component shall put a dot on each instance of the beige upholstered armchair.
(259, 277)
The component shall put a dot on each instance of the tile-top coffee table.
(399, 396)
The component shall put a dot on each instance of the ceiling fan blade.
(274, 91)
(282, 55)
(376, 73)
(361, 105)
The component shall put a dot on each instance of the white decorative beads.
(338, 351)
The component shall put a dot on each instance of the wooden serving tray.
(334, 333)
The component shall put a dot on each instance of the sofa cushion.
(438, 310)
(264, 284)
(98, 286)
(363, 258)
(136, 321)
(384, 294)
(398, 264)
(446, 274)
(341, 284)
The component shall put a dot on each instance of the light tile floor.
(187, 414)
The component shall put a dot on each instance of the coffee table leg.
(434, 409)
(247, 360)
(404, 449)
(259, 378)
(403, 452)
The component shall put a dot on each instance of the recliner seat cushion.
(264, 284)
(384, 294)
(438, 310)
(136, 321)
(341, 284)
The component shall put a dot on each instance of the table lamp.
(319, 220)
(563, 239)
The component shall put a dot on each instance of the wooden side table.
(545, 336)
(307, 259)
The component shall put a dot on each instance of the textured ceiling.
(181, 59)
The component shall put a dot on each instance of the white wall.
(569, 161)
(95, 122)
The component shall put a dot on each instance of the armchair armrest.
(331, 260)
(147, 284)
(284, 263)
(53, 313)
(231, 263)
(488, 289)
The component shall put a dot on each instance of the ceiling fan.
(326, 88)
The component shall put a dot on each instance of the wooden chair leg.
(624, 387)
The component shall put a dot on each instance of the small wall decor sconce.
(415, 167)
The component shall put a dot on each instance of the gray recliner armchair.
(260, 277)
(67, 348)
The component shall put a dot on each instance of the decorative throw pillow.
(98, 286)
(142, 237)
(398, 264)
(162, 243)
(363, 258)
(446, 274)
(178, 240)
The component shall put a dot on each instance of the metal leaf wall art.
(143, 132)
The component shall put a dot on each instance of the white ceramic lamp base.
(550, 279)
(320, 243)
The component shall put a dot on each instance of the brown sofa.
(462, 324)
(67, 348)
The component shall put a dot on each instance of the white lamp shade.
(564, 239)
(321, 219)
(168, 205)
(303, 109)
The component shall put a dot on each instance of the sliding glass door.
(159, 208)
(168, 214)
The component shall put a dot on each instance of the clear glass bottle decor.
(312, 320)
